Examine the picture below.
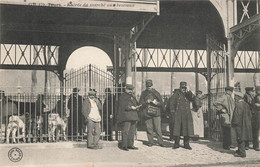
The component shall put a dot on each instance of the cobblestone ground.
(204, 153)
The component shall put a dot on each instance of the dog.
(54, 120)
(15, 124)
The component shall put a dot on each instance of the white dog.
(55, 120)
(15, 124)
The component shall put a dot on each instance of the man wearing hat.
(256, 119)
(91, 111)
(225, 105)
(128, 117)
(152, 106)
(181, 113)
(241, 122)
(75, 119)
(248, 98)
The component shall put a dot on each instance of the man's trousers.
(94, 132)
(128, 133)
(154, 123)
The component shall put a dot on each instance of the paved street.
(204, 153)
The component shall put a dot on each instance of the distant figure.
(108, 111)
(128, 117)
(39, 119)
(241, 121)
(152, 107)
(75, 124)
(197, 115)
(181, 113)
(91, 111)
(60, 107)
(256, 119)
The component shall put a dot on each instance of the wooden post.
(196, 73)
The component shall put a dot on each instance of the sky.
(88, 55)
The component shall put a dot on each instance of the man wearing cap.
(241, 122)
(225, 105)
(256, 119)
(152, 106)
(248, 98)
(128, 117)
(75, 119)
(91, 111)
(181, 113)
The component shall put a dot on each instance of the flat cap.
(129, 86)
(230, 88)
(257, 88)
(75, 90)
(149, 83)
(249, 89)
(183, 84)
(91, 92)
(198, 92)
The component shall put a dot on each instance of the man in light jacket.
(91, 111)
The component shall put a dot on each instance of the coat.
(255, 113)
(125, 113)
(75, 106)
(225, 102)
(241, 121)
(7, 109)
(86, 108)
(181, 111)
(156, 95)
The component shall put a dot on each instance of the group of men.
(239, 117)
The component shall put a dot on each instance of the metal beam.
(30, 67)
(52, 28)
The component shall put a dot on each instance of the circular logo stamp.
(15, 154)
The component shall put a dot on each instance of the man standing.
(241, 122)
(225, 106)
(128, 117)
(75, 107)
(91, 110)
(256, 119)
(181, 113)
(152, 106)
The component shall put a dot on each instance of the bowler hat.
(257, 88)
(129, 86)
(183, 84)
(75, 90)
(249, 89)
(229, 88)
(149, 83)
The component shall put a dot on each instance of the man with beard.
(128, 117)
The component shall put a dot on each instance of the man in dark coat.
(108, 113)
(256, 119)
(151, 100)
(91, 112)
(75, 118)
(181, 113)
(241, 122)
(248, 98)
(128, 117)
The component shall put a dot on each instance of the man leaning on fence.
(75, 116)
(91, 111)
(225, 106)
(128, 117)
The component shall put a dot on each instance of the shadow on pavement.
(216, 146)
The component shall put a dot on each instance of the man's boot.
(177, 142)
(187, 143)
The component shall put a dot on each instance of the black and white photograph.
(129, 83)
